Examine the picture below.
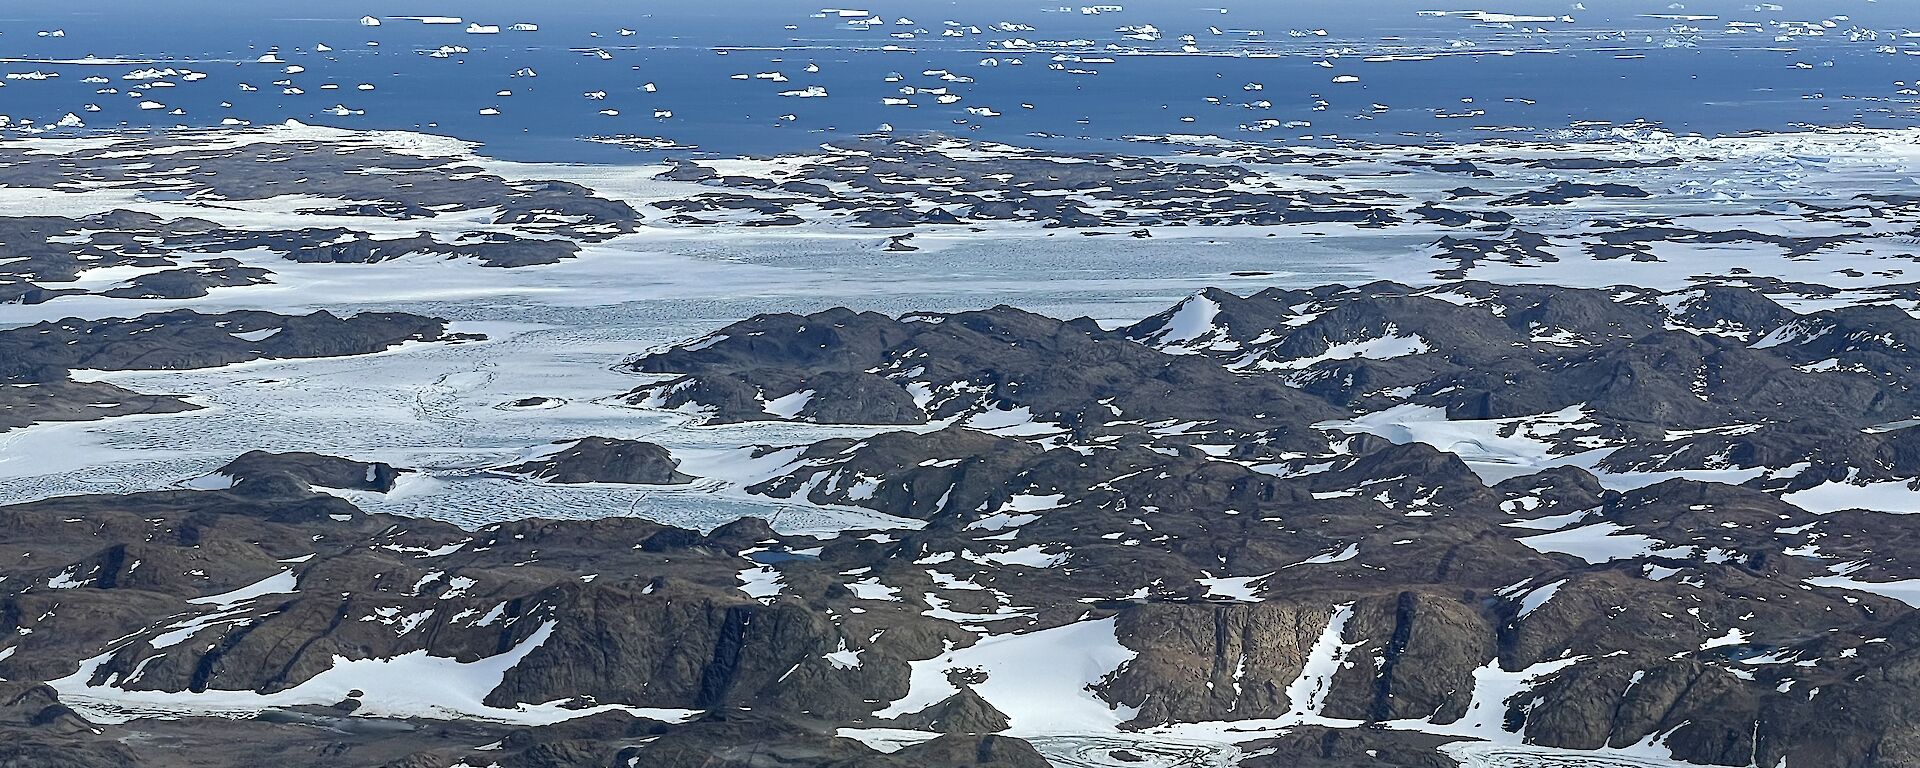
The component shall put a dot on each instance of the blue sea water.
(1081, 79)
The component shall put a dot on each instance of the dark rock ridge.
(626, 611)
(190, 282)
(1717, 378)
(549, 219)
(1712, 378)
(406, 185)
(1546, 575)
(35, 360)
(1399, 515)
(1514, 216)
(341, 246)
(184, 339)
(932, 179)
(1001, 368)
(605, 460)
(656, 607)
(272, 474)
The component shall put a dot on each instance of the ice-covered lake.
(558, 332)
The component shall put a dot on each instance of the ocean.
(1079, 76)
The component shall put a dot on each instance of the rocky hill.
(1352, 523)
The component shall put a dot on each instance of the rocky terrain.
(1478, 210)
(1319, 523)
(604, 460)
(1615, 472)
(391, 203)
(37, 362)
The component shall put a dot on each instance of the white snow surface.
(1905, 590)
(280, 583)
(1596, 543)
(1040, 680)
(1833, 496)
(410, 685)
